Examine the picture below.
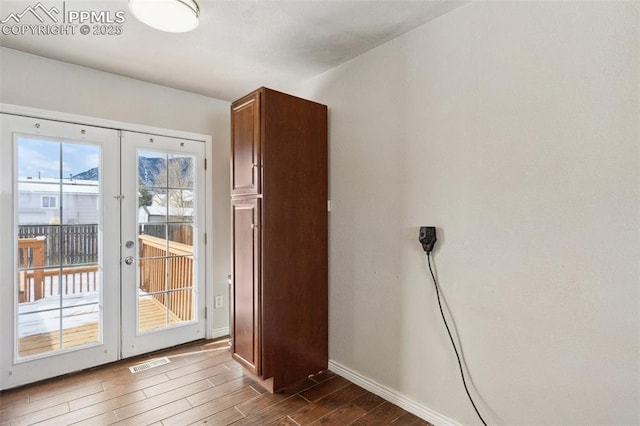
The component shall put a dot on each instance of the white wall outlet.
(219, 302)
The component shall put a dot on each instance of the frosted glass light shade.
(174, 16)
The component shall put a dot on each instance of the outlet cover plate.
(219, 302)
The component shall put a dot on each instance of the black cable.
(464, 382)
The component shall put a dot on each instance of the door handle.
(128, 260)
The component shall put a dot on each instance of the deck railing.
(156, 255)
(30, 283)
(35, 282)
(40, 274)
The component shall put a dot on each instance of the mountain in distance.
(148, 169)
(151, 168)
(91, 174)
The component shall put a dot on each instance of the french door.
(162, 243)
(60, 258)
(101, 236)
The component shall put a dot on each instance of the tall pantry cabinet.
(279, 236)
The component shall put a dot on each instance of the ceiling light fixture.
(174, 16)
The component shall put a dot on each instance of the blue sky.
(41, 155)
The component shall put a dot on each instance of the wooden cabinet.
(279, 230)
(246, 273)
(245, 145)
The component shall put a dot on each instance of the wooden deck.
(45, 342)
(152, 315)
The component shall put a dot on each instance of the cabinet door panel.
(246, 283)
(245, 145)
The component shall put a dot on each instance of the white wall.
(514, 128)
(37, 82)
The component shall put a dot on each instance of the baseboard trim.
(220, 332)
(392, 395)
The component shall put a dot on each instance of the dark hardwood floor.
(201, 385)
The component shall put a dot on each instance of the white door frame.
(6, 267)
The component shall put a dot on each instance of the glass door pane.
(165, 239)
(58, 270)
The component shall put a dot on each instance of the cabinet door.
(245, 145)
(246, 283)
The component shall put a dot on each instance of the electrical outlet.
(219, 303)
(427, 237)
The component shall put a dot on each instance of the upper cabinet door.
(245, 145)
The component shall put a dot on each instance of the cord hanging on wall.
(427, 238)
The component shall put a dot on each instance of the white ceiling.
(239, 44)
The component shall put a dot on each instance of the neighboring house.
(40, 201)
(155, 213)
(177, 197)
(152, 219)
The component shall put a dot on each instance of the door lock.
(128, 260)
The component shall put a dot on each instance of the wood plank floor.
(201, 385)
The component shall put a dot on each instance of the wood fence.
(64, 244)
(177, 232)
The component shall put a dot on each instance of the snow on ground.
(43, 316)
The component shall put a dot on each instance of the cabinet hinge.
(205, 312)
(205, 164)
(205, 238)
